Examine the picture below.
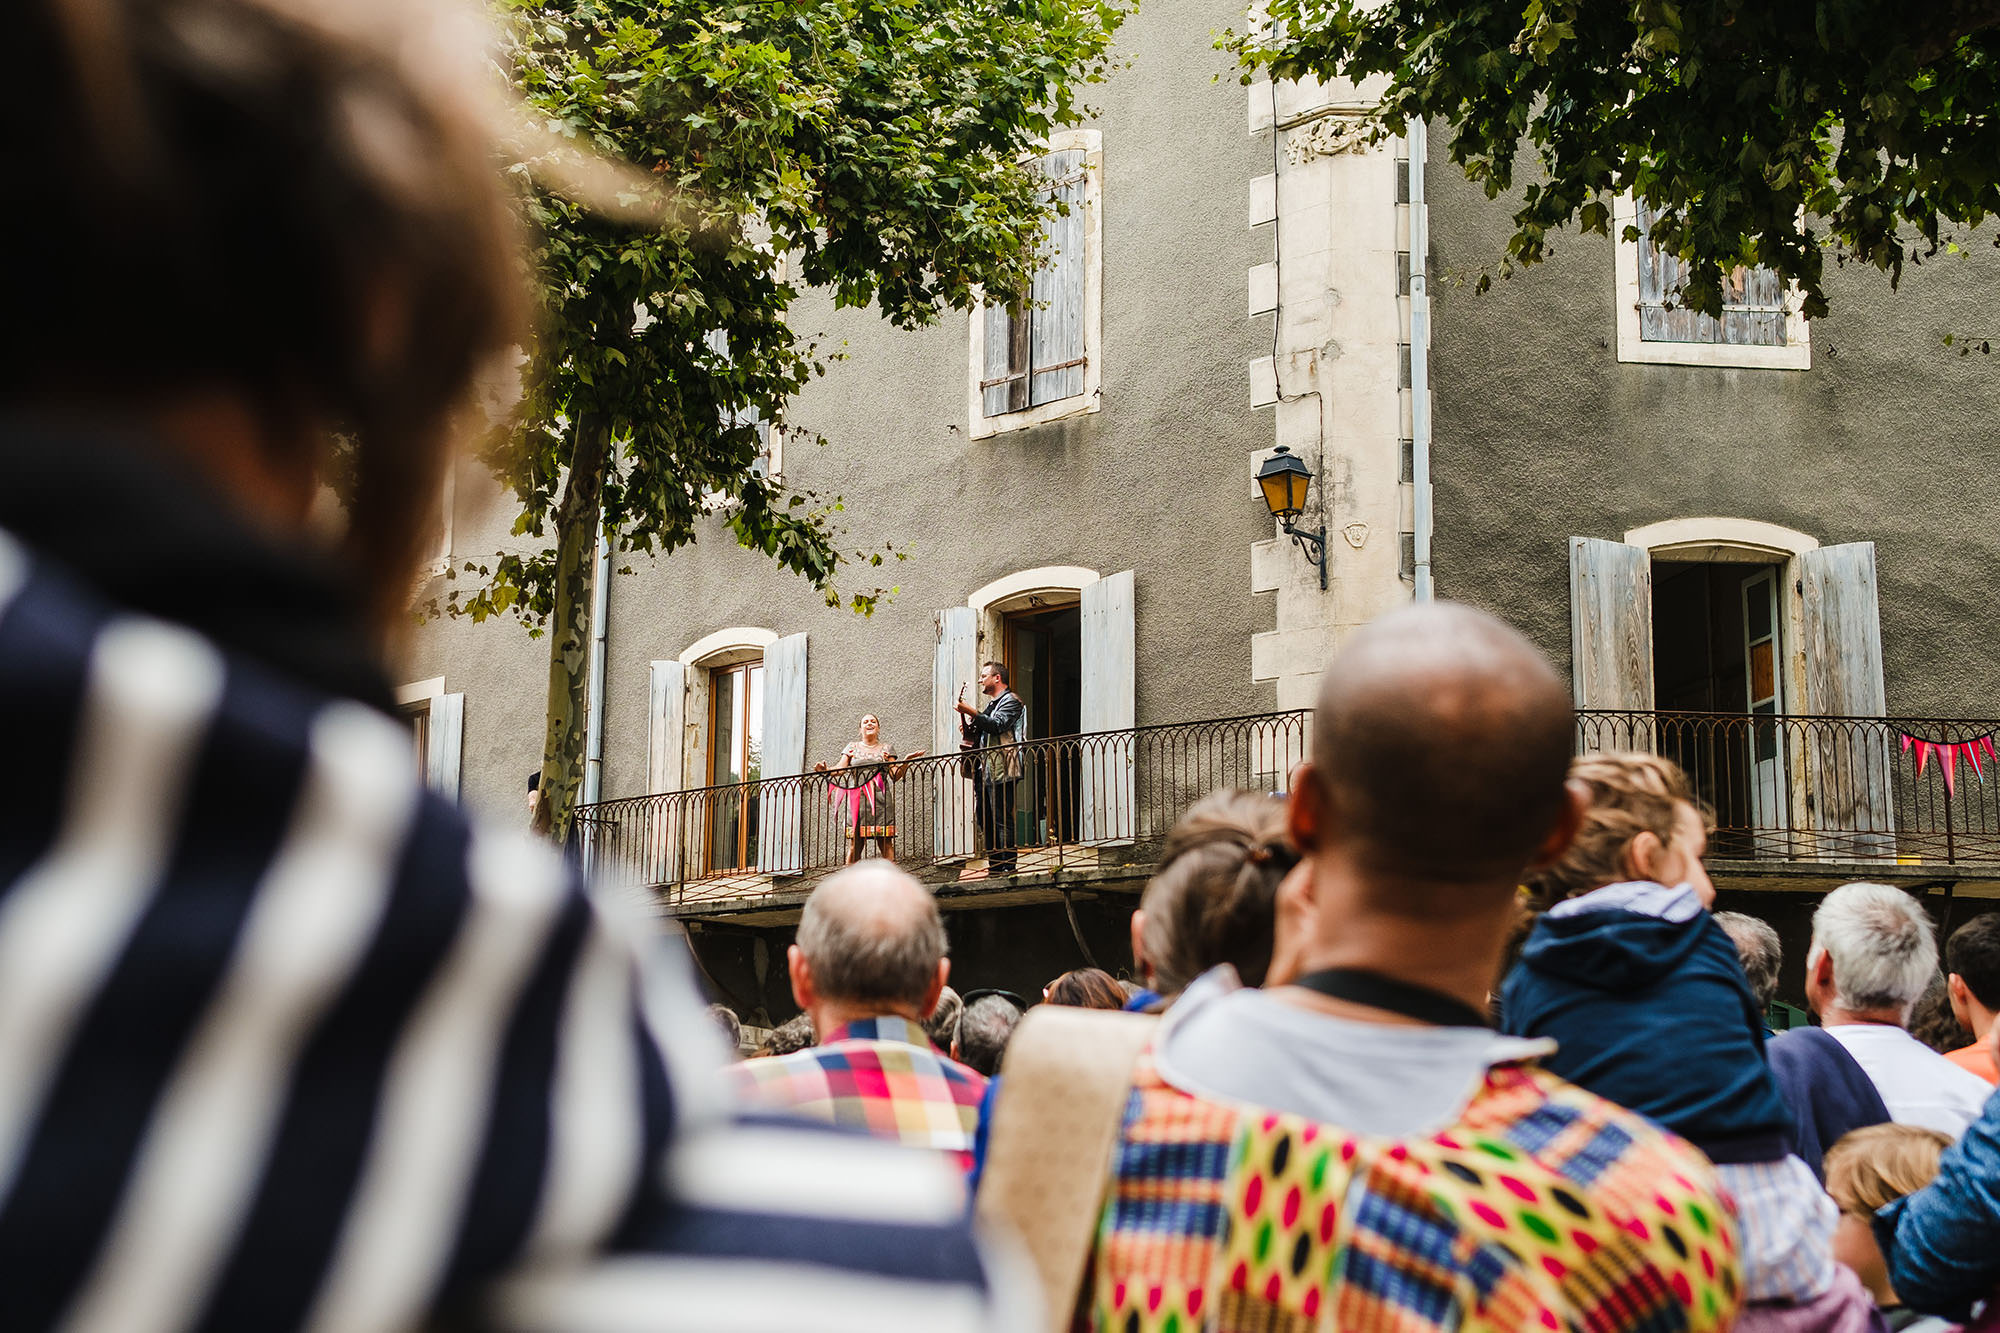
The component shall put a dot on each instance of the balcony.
(1814, 801)
(1799, 802)
(1090, 811)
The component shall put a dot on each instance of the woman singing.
(866, 769)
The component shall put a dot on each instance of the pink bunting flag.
(1947, 752)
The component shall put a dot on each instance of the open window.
(1742, 651)
(437, 728)
(735, 756)
(1761, 327)
(1039, 360)
(1066, 637)
(730, 711)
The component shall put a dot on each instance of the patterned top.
(881, 1075)
(288, 1043)
(1544, 1207)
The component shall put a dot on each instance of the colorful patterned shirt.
(881, 1075)
(1543, 1207)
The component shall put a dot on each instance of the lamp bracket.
(1313, 543)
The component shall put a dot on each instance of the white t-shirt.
(1228, 1044)
(1919, 1086)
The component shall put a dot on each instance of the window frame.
(1796, 354)
(981, 426)
(747, 726)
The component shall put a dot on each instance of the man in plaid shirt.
(868, 967)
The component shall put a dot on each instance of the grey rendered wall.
(1542, 434)
(1155, 482)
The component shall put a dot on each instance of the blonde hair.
(1630, 793)
(1874, 1166)
(1214, 897)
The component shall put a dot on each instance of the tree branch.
(1949, 20)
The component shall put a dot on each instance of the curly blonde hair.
(1630, 793)
(1871, 1167)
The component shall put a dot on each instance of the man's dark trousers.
(995, 802)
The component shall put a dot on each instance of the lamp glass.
(1284, 481)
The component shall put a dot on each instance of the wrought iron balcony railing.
(1828, 789)
(1077, 802)
(1824, 790)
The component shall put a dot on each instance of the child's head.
(1643, 823)
(1864, 1171)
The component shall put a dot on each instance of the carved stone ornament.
(1356, 534)
(1325, 137)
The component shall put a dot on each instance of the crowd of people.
(1479, 964)
(1447, 1038)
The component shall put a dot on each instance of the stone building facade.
(1246, 268)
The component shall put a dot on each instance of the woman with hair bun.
(1214, 898)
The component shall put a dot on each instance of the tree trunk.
(578, 517)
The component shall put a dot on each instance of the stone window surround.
(1048, 586)
(725, 647)
(983, 427)
(1796, 354)
(1743, 541)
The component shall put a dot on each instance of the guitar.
(968, 744)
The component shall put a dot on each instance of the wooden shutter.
(1056, 322)
(1611, 639)
(956, 664)
(1753, 300)
(1109, 681)
(1847, 767)
(662, 825)
(444, 734)
(1004, 381)
(781, 806)
(666, 712)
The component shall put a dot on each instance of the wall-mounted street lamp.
(1285, 479)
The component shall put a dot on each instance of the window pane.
(1757, 610)
(723, 748)
(753, 724)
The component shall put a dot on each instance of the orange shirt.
(1978, 1058)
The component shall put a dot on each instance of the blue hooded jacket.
(1649, 1008)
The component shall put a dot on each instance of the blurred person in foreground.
(1972, 965)
(869, 965)
(1625, 965)
(1940, 1245)
(1865, 1172)
(285, 1042)
(1358, 1149)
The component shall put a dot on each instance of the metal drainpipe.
(593, 719)
(1420, 355)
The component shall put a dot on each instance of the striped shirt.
(285, 1043)
(880, 1075)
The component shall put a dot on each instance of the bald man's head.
(872, 933)
(1441, 747)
